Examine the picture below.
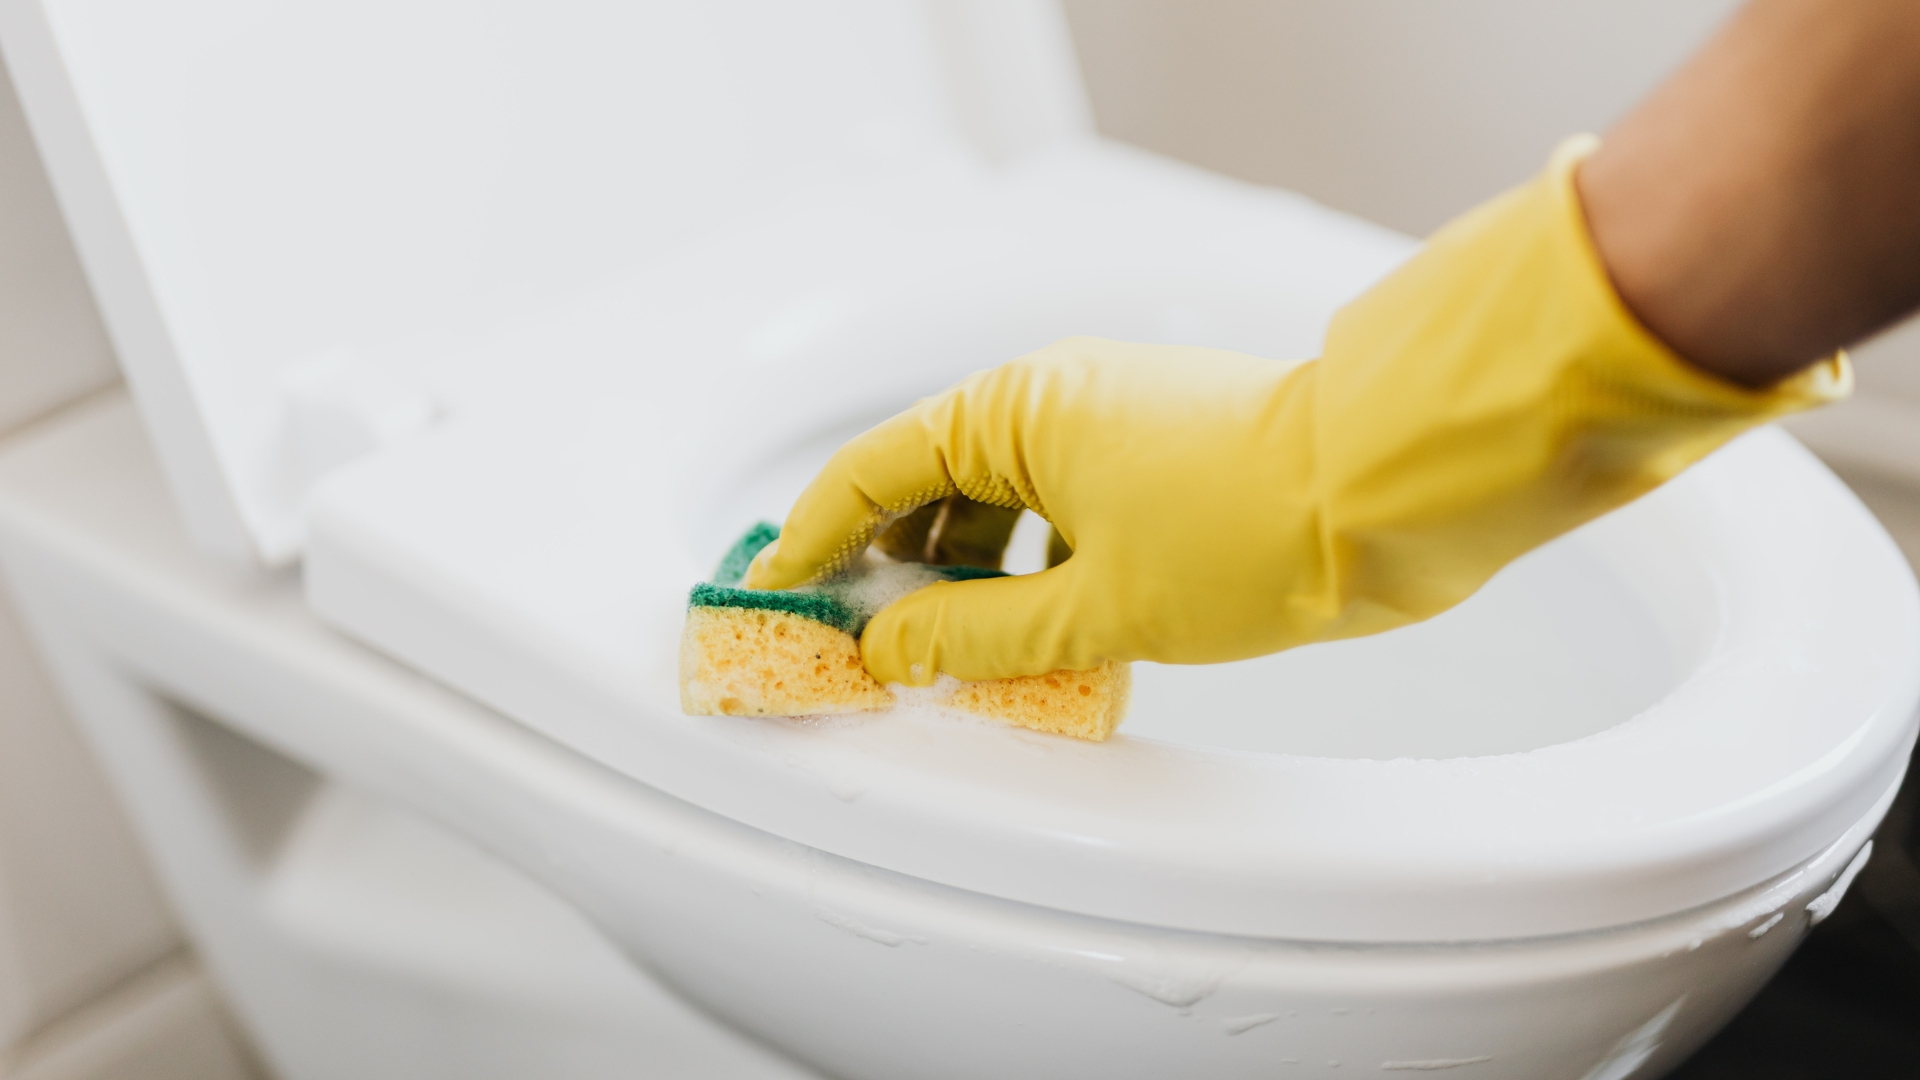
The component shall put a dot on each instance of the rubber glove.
(1487, 396)
(954, 531)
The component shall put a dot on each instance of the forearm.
(1762, 209)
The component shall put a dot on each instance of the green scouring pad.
(845, 603)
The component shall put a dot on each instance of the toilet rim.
(1791, 722)
(1791, 725)
(456, 744)
(520, 796)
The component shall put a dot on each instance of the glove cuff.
(1493, 393)
(1648, 359)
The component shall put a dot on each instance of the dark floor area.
(1847, 1005)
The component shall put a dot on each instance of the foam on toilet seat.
(796, 652)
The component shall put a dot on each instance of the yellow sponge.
(796, 652)
(745, 662)
(1083, 704)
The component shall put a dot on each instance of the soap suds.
(929, 703)
(873, 582)
(926, 700)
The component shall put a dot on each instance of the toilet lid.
(260, 192)
(536, 556)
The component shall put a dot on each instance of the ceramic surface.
(278, 771)
(1560, 754)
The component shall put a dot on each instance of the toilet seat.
(531, 565)
(530, 546)
(193, 679)
(1771, 740)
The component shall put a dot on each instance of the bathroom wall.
(95, 982)
(52, 347)
(1402, 112)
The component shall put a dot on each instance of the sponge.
(796, 652)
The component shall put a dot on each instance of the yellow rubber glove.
(1486, 397)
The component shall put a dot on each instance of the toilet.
(460, 341)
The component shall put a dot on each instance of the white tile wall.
(95, 982)
(52, 346)
(1404, 113)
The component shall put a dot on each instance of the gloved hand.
(1484, 398)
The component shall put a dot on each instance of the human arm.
(1491, 394)
(1762, 208)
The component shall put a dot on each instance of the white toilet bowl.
(977, 961)
(406, 798)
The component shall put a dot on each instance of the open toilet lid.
(259, 193)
